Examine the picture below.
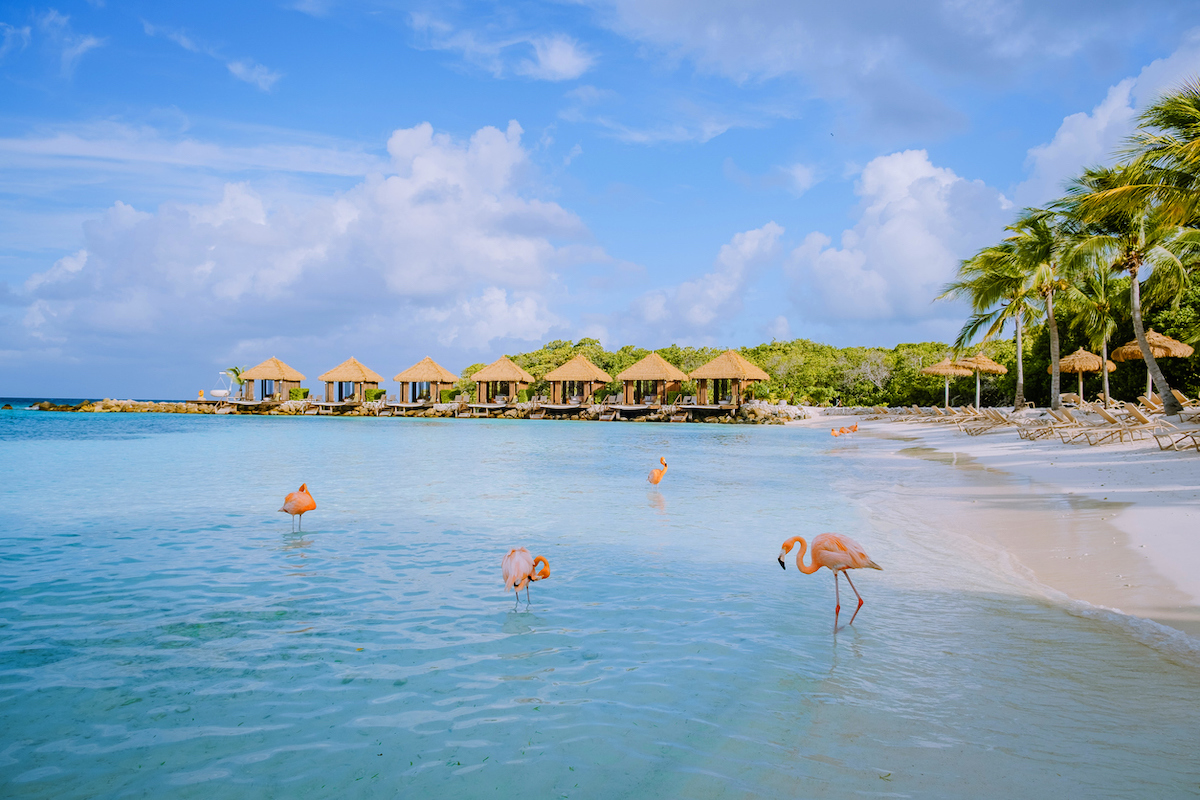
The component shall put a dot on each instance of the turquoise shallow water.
(163, 633)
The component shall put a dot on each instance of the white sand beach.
(1114, 526)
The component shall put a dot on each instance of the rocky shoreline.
(748, 414)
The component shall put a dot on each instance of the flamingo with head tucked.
(298, 502)
(518, 569)
(836, 552)
(656, 475)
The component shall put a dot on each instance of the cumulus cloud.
(917, 222)
(1086, 139)
(444, 240)
(698, 307)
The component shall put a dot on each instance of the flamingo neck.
(813, 567)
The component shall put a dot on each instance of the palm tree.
(1095, 303)
(1135, 233)
(993, 283)
(1039, 240)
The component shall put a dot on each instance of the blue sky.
(188, 187)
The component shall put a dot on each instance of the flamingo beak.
(781, 564)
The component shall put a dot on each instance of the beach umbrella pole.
(1149, 383)
(947, 391)
(1080, 384)
(977, 389)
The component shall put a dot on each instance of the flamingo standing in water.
(837, 552)
(297, 502)
(518, 568)
(656, 475)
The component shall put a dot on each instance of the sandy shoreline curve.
(1114, 526)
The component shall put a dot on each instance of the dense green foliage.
(801, 371)
(297, 394)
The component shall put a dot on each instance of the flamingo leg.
(860, 601)
(837, 600)
(300, 522)
(527, 595)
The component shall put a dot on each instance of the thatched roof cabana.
(728, 372)
(425, 371)
(276, 377)
(353, 372)
(579, 370)
(501, 378)
(653, 376)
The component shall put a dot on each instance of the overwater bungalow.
(573, 384)
(729, 373)
(348, 382)
(648, 382)
(275, 378)
(422, 384)
(498, 383)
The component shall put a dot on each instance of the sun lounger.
(1137, 427)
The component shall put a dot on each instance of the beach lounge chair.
(1184, 400)
(1151, 403)
(1116, 429)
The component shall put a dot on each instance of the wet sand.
(1113, 526)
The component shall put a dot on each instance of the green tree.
(994, 282)
(1095, 304)
(1136, 234)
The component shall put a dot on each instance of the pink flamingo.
(836, 432)
(656, 475)
(838, 553)
(298, 502)
(518, 568)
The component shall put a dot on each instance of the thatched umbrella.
(1160, 347)
(653, 369)
(730, 366)
(981, 363)
(947, 369)
(1082, 361)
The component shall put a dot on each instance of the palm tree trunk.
(1019, 400)
(1104, 371)
(1170, 404)
(1054, 374)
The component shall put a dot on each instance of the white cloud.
(62, 269)
(72, 46)
(801, 178)
(779, 329)
(445, 233)
(254, 74)
(244, 69)
(475, 322)
(115, 146)
(1084, 139)
(13, 39)
(699, 306)
(557, 58)
(917, 222)
(889, 58)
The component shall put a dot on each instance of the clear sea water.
(164, 633)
